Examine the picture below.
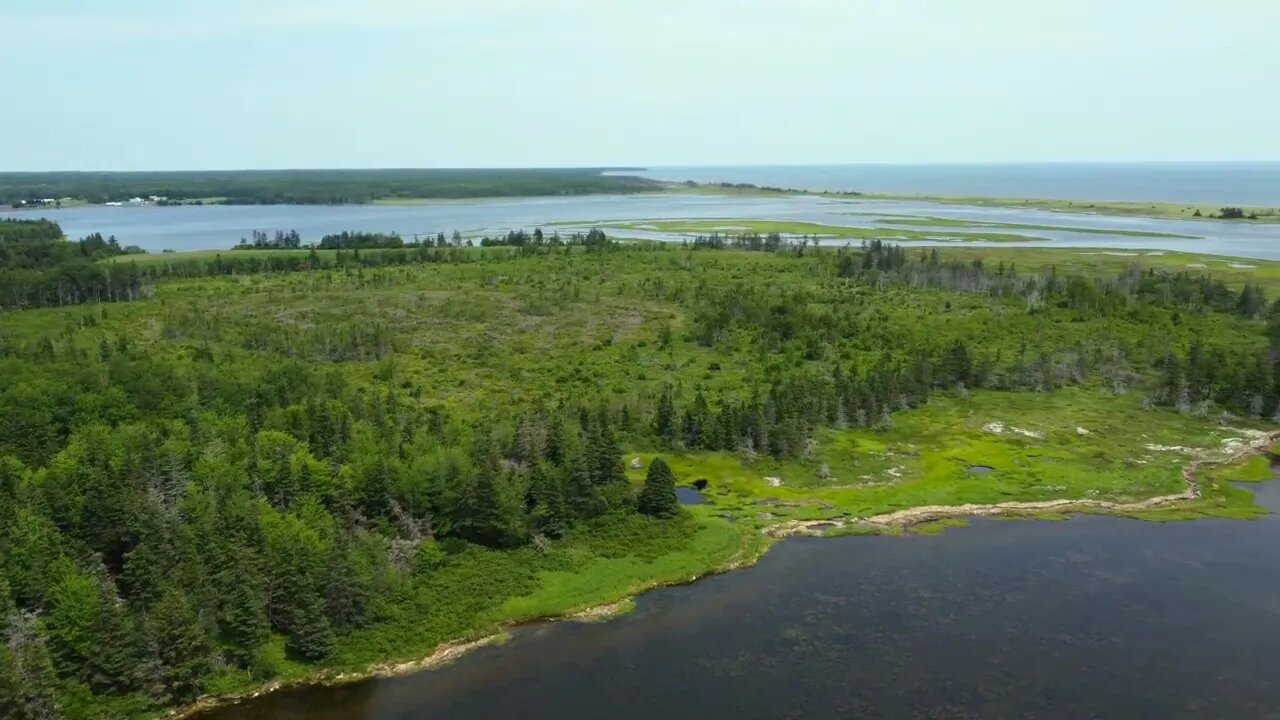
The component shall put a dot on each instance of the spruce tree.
(549, 509)
(184, 648)
(311, 637)
(481, 519)
(347, 591)
(664, 419)
(584, 497)
(242, 617)
(658, 498)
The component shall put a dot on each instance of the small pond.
(689, 496)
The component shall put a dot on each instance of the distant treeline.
(357, 240)
(37, 270)
(310, 187)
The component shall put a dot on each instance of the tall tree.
(658, 497)
(549, 510)
(311, 636)
(184, 647)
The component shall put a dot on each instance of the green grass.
(925, 458)
(603, 579)
(929, 221)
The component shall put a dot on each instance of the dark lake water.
(1093, 617)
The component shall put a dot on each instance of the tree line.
(311, 187)
(39, 268)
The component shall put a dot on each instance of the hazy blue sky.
(149, 84)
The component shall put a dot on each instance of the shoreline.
(886, 523)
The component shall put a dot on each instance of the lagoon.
(1091, 617)
(215, 227)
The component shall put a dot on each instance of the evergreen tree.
(347, 591)
(242, 616)
(658, 498)
(311, 638)
(481, 517)
(664, 419)
(584, 497)
(183, 646)
(606, 456)
(549, 509)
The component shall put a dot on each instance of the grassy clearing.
(926, 459)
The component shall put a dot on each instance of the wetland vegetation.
(271, 465)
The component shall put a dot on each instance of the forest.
(310, 187)
(220, 471)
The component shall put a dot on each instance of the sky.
(204, 84)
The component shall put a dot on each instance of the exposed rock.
(1028, 433)
(773, 481)
(995, 428)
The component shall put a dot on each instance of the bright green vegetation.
(926, 456)
(928, 221)
(280, 464)
(261, 187)
(790, 228)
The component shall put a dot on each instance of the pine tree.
(347, 591)
(658, 498)
(550, 512)
(606, 456)
(481, 518)
(117, 657)
(242, 616)
(311, 638)
(184, 648)
(664, 419)
(584, 497)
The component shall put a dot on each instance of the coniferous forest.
(224, 470)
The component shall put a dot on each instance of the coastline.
(886, 523)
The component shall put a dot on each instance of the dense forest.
(309, 187)
(40, 268)
(259, 463)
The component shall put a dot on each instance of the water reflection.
(1092, 617)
